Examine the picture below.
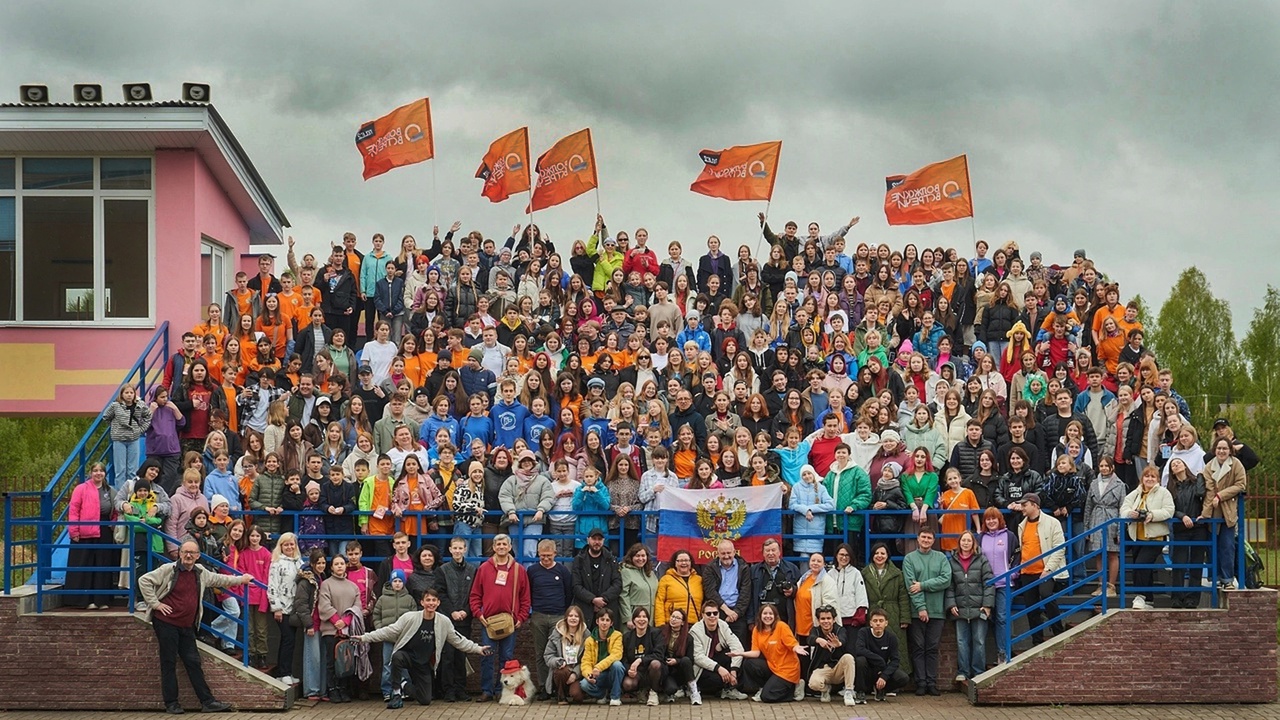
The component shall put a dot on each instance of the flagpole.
(435, 203)
(973, 228)
(767, 204)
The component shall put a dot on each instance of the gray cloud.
(1142, 131)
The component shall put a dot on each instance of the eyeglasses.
(711, 613)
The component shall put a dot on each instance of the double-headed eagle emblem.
(721, 518)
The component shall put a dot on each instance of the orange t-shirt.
(683, 463)
(386, 525)
(414, 525)
(776, 648)
(459, 357)
(804, 599)
(353, 264)
(1031, 547)
(215, 367)
(416, 369)
(277, 334)
(244, 301)
(290, 303)
(956, 523)
(219, 331)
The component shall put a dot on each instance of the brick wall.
(110, 659)
(1150, 656)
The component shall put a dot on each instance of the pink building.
(113, 219)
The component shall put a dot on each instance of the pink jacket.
(85, 507)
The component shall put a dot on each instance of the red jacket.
(642, 260)
(490, 598)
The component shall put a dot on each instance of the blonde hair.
(277, 413)
(276, 554)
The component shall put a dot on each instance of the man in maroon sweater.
(501, 586)
(172, 593)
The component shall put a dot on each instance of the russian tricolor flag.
(696, 520)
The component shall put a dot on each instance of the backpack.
(1253, 567)
(344, 658)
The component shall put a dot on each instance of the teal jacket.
(933, 571)
(849, 488)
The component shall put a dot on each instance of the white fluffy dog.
(517, 684)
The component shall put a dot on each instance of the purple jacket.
(162, 436)
(999, 547)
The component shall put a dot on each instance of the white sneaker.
(733, 694)
(615, 702)
(695, 695)
(1139, 603)
(602, 701)
(653, 699)
(799, 694)
(850, 698)
(678, 694)
(826, 695)
(92, 606)
(140, 606)
(756, 697)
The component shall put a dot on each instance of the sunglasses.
(711, 613)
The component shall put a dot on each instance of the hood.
(889, 483)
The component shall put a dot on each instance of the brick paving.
(951, 706)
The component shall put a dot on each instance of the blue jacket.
(508, 423)
(474, 381)
(372, 271)
(928, 345)
(792, 460)
(699, 336)
(590, 502)
(815, 499)
(388, 297)
(601, 427)
(223, 483)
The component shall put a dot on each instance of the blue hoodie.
(508, 423)
(535, 425)
(222, 482)
(470, 428)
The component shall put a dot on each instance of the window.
(76, 240)
(214, 261)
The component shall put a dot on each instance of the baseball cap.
(596, 532)
(365, 368)
(1221, 422)
(477, 353)
(1032, 498)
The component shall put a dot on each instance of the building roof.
(145, 127)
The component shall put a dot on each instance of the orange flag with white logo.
(401, 137)
(565, 171)
(933, 193)
(505, 168)
(745, 172)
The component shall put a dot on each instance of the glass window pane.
(57, 269)
(124, 235)
(57, 173)
(125, 173)
(6, 173)
(8, 259)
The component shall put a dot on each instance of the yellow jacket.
(677, 593)
(590, 652)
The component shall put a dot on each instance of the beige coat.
(1159, 505)
(1226, 490)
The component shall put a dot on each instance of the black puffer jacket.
(1013, 486)
(997, 321)
(969, 591)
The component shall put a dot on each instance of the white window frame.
(213, 248)
(99, 195)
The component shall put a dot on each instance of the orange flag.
(565, 171)
(933, 193)
(745, 172)
(401, 137)
(505, 168)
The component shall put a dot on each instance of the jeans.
(461, 529)
(503, 650)
(388, 649)
(1000, 620)
(125, 458)
(179, 642)
(996, 348)
(228, 625)
(971, 641)
(564, 545)
(610, 680)
(312, 667)
(337, 547)
(1226, 553)
(543, 625)
(529, 548)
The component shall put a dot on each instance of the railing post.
(1213, 564)
(8, 542)
(1241, 539)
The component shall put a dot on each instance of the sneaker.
(602, 701)
(859, 697)
(615, 702)
(695, 696)
(921, 690)
(395, 703)
(289, 681)
(799, 694)
(756, 697)
(892, 694)
(653, 699)
(386, 698)
(880, 694)
(850, 698)
(174, 708)
(215, 706)
(1096, 593)
(934, 691)
(960, 679)
(1111, 590)
(733, 694)
(139, 606)
(680, 694)
(825, 696)
(91, 606)
(1001, 659)
(1139, 603)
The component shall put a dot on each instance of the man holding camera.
(773, 581)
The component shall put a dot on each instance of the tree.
(1261, 349)
(1193, 337)
(1148, 322)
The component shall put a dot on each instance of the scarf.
(1219, 470)
(523, 480)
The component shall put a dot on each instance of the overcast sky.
(1145, 132)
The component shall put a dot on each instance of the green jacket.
(638, 590)
(391, 606)
(849, 488)
(926, 486)
(157, 542)
(605, 264)
(933, 571)
(268, 491)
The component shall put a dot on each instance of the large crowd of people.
(433, 407)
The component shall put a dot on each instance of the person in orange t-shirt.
(241, 300)
(956, 498)
(375, 497)
(213, 326)
(772, 665)
(290, 300)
